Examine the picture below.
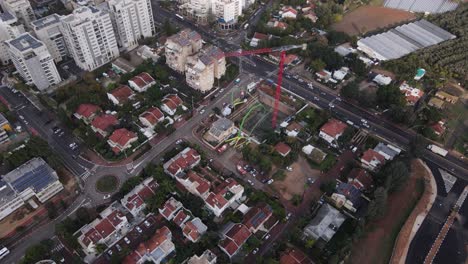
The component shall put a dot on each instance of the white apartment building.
(48, 30)
(33, 61)
(227, 12)
(9, 28)
(202, 68)
(90, 37)
(197, 9)
(181, 45)
(21, 9)
(133, 20)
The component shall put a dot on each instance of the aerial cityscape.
(234, 131)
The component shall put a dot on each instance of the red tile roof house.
(134, 201)
(372, 160)
(102, 229)
(87, 112)
(288, 12)
(141, 82)
(103, 124)
(438, 128)
(194, 229)
(121, 139)
(294, 256)
(283, 149)
(234, 238)
(332, 130)
(185, 160)
(151, 117)
(256, 217)
(361, 179)
(170, 208)
(154, 250)
(170, 103)
(120, 95)
(224, 196)
(195, 184)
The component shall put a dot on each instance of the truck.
(251, 86)
(437, 150)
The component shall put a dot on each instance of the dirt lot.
(377, 245)
(296, 179)
(368, 18)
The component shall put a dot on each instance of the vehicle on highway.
(310, 85)
(107, 196)
(127, 240)
(316, 98)
(366, 125)
(331, 105)
(138, 229)
(363, 121)
(73, 146)
(255, 251)
(250, 182)
(237, 80)
(241, 170)
(246, 26)
(202, 111)
(4, 252)
(350, 123)
(179, 141)
(288, 216)
(21, 117)
(180, 17)
(222, 148)
(267, 237)
(437, 150)
(61, 134)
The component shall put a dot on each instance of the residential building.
(21, 9)
(134, 201)
(121, 95)
(87, 112)
(109, 227)
(180, 46)
(447, 97)
(294, 256)
(195, 184)
(170, 104)
(146, 52)
(33, 180)
(412, 94)
(9, 29)
(202, 68)
(151, 117)
(141, 82)
(311, 16)
(325, 224)
(288, 12)
(220, 130)
(293, 129)
(103, 124)
(194, 229)
(206, 258)
(224, 196)
(340, 74)
(227, 12)
(122, 66)
(283, 149)
(170, 208)
(257, 38)
(273, 23)
(155, 250)
(347, 195)
(133, 20)
(361, 179)
(436, 102)
(121, 139)
(4, 128)
(388, 151)
(371, 159)
(438, 128)
(90, 37)
(234, 239)
(382, 79)
(331, 131)
(199, 10)
(48, 30)
(33, 61)
(185, 160)
(324, 75)
(256, 217)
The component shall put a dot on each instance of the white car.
(179, 141)
(270, 181)
(139, 229)
(250, 182)
(147, 224)
(288, 168)
(255, 251)
(267, 237)
(127, 240)
(107, 196)
(202, 111)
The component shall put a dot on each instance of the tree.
(328, 187)
(377, 206)
(317, 65)
(51, 210)
(396, 175)
(351, 90)
(417, 145)
(100, 248)
(337, 37)
(389, 95)
(38, 252)
(356, 65)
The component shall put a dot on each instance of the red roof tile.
(260, 36)
(333, 128)
(103, 122)
(172, 101)
(143, 79)
(183, 161)
(229, 245)
(122, 136)
(294, 256)
(239, 234)
(180, 217)
(203, 185)
(256, 216)
(122, 93)
(91, 236)
(371, 154)
(361, 176)
(282, 148)
(153, 115)
(104, 228)
(87, 110)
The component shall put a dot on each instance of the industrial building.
(402, 40)
(422, 6)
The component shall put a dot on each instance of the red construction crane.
(282, 50)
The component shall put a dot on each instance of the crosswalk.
(58, 247)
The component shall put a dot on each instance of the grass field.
(369, 18)
(107, 184)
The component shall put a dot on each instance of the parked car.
(147, 224)
(255, 251)
(139, 229)
(127, 240)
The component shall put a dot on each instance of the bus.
(4, 252)
(179, 16)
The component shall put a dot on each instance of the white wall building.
(48, 30)
(9, 28)
(202, 68)
(33, 61)
(133, 20)
(90, 37)
(227, 12)
(181, 45)
(21, 9)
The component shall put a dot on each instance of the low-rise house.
(289, 59)
(361, 179)
(447, 97)
(141, 82)
(347, 195)
(388, 151)
(438, 128)
(146, 52)
(234, 239)
(121, 65)
(155, 250)
(170, 208)
(121, 139)
(224, 195)
(288, 12)
(372, 160)
(104, 124)
(412, 94)
(256, 217)
(273, 23)
(324, 75)
(293, 129)
(332, 130)
(294, 256)
(170, 103)
(151, 117)
(283, 149)
(185, 160)
(325, 224)
(106, 229)
(220, 130)
(87, 112)
(436, 102)
(120, 95)
(311, 16)
(195, 184)
(134, 201)
(381, 79)
(194, 229)
(340, 74)
(257, 38)
(206, 258)
(33, 179)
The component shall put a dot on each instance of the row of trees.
(34, 147)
